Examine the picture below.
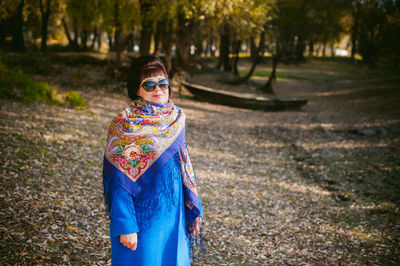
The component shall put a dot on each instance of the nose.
(157, 87)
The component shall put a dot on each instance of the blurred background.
(318, 184)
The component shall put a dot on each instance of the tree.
(379, 32)
(238, 20)
(147, 26)
(45, 12)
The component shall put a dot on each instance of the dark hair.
(142, 67)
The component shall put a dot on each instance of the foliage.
(74, 98)
(379, 33)
(296, 23)
(15, 85)
(7, 8)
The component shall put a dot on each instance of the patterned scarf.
(140, 140)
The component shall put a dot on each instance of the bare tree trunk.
(259, 53)
(183, 34)
(99, 39)
(166, 40)
(84, 36)
(157, 39)
(237, 44)
(117, 34)
(147, 30)
(354, 30)
(18, 31)
(76, 34)
(224, 46)
(300, 47)
(129, 42)
(110, 42)
(95, 35)
(71, 42)
(213, 49)
(45, 13)
(253, 50)
(311, 49)
(268, 87)
(333, 54)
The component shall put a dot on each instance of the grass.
(15, 85)
(74, 98)
(280, 75)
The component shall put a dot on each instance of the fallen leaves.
(276, 188)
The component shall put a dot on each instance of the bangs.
(153, 70)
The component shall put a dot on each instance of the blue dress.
(157, 215)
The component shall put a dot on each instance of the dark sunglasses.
(150, 85)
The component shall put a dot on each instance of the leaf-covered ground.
(314, 187)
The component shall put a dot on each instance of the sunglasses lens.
(151, 85)
(163, 84)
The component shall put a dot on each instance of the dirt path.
(299, 188)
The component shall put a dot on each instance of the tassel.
(196, 244)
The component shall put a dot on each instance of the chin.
(159, 101)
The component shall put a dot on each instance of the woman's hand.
(197, 225)
(129, 240)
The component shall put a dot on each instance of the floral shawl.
(140, 140)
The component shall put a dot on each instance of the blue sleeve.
(122, 212)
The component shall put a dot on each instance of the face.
(158, 95)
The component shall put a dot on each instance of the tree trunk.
(110, 42)
(157, 39)
(129, 42)
(147, 29)
(212, 46)
(253, 50)
(268, 87)
(2, 34)
(354, 31)
(300, 47)
(99, 39)
(71, 42)
(324, 50)
(183, 34)
(258, 59)
(224, 48)
(236, 60)
(45, 13)
(311, 49)
(117, 33)
(76, 34)
(95, 35)
(84, 39)
(166, 45)
(18, 32)
(333, 50)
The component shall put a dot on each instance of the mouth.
(157, 95)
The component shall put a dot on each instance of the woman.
(149, 183)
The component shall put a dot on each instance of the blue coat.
(157, 215)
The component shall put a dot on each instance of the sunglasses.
(150, 85)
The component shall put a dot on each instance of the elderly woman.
(149, 183)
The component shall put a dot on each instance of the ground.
(312, 187)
